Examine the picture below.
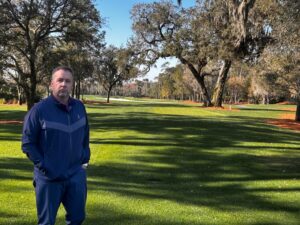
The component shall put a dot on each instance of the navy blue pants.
(71, 193)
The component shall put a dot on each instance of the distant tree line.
(244, 85)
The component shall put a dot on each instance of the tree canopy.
(206, 38)
(115, 66)
(30, 30)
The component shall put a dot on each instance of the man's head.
(62, 82)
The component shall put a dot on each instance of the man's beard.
(63, 93)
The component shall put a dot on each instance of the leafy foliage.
(30, 30)
(115, 66)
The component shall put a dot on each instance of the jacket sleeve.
(30, 137)
(86, 142)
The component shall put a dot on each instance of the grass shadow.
(199, 161)
(193, 161)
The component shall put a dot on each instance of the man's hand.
(84, 166)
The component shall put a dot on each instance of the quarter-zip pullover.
(56, 138)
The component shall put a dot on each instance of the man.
(56, 139)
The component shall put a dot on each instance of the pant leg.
(48, 199)
(74, 199)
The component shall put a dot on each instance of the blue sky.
(118, 24)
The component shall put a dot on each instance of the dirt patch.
(285, 123)
(11, 122)
(288, 116)
(291, 109)
(286, 120)
(286, 103)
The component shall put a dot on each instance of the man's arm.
(86, 142)
(30, 137)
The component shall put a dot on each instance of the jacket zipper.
(70, 134)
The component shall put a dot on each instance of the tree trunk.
(33, 82)
(263, 100)
(19, 89)
(206, 97)
(19, 94)
(200, 79)
(220, 85)
(78, 89)
(297, 117)
(30, 102)
(73, 89)
(108, 94)
(235, 98)
(30, 97)
(239, 11)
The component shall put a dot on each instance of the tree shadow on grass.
(199, 181)
(99, 214)
(11, 132)
(16, 168)
(201, 162)
(7, 218)
(207, 132)
(12, 115)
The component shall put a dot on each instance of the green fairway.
(170, 164)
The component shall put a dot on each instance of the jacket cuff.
(85, 161)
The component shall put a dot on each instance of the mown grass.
(170, 164)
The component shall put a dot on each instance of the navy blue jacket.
(56, 138)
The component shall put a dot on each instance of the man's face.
(61, 84)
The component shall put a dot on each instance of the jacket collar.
(67, 108)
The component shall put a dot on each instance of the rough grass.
(170, 164)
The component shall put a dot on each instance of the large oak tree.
(163, 30)
(28, 31)
(206, 38)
